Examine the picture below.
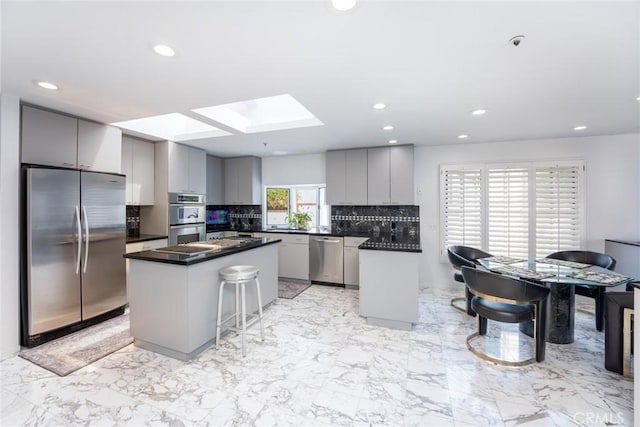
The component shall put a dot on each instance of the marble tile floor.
(321, 365)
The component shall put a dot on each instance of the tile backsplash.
(133, 221)
(386, 219)
(242, 217)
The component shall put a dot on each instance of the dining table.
(560, 277)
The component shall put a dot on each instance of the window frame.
(532, 167)
(292, 191)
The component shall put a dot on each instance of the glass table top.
(550, 271)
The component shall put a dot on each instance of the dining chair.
(507, 300)
(466, 256)
(595, 292)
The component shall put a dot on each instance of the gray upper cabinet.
(356, 177)
(99, 147)
(215, 181)
(58, 140)
(401, 175)
(390, 175)
(346, 176)
(197, 171)
(378, 176)
(187, 169)
(138, 166)
(336, 193)
(243, 181)
(49, 138)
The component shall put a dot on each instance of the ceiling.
(432, 63)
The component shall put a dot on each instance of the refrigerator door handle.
(79, 233)
(86, 238)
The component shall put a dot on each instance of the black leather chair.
(466, 256)
(507, 300)
(595, 292)
(615, 354)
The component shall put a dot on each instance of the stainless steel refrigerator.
(73, 272)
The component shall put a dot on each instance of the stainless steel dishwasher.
(326, 259)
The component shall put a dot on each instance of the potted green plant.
(298, 220)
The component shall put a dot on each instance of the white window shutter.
(508, 210)
(461, 203)
(558, 207)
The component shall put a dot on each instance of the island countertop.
(189, 259)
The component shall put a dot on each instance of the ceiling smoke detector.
(516, 40)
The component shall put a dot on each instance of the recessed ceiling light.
(463, 136)
(379, 106)
(343, 5)
(47, 85)
(163, 50)
(388, 127)
(479, 112)
(393, 141)
(638, 98)
(579, 128)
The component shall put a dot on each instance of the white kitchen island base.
(389, 288)
(173, 308)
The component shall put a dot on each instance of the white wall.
(612, 180)
(9, 230)
(294, 170)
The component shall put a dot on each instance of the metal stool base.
(240, 314)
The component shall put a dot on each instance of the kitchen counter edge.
(186, 260)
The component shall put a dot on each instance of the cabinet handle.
(67, 164)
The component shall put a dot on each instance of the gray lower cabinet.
(293, 254)
(352, 260)
(389, 288)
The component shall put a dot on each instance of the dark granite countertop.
(311, 231)
(393, 242)
(624, 242)
(179, 259)
(145, 238)
(377, 241)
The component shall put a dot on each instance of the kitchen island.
(389, 280)
(173, 297)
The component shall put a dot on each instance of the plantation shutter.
(461, 202)
(508, 211)
(558, 207)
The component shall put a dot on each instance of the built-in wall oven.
(186, 218)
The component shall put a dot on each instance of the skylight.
(173, 127)
(262, 115)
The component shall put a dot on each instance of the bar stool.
(239, 275)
